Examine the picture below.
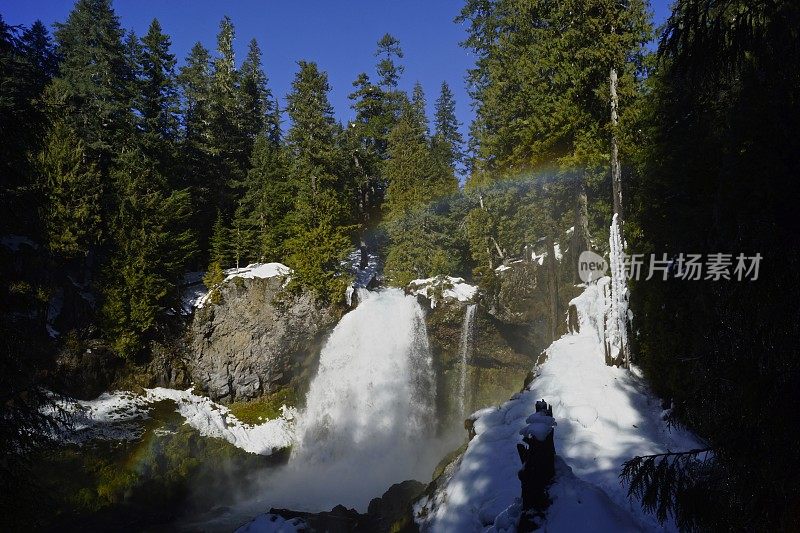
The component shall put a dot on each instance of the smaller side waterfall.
(465, 354)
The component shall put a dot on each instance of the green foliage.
(423, 244)
(265, 408)
(388, 71)
(92, 92)
(268, 195)
(447, 138)
(715, 176)
(212, 280)
(320, 220)
(153, 245)
(73, 192)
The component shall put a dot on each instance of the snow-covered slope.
(605, 415)
(113, 416)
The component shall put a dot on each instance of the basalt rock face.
(257, 339)
(510, 332)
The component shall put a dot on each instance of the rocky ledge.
(257, 339)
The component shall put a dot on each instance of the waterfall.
(369, 418)
(465, 354)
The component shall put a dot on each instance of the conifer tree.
(27, 63)
(228, 142)
(389, 71)
(266, 202)
(196, 147)
(153, 247)
(73, 191)
(447, 138)
(220, 242)
(418, 105)
(257, 105)
(320, 219)
(157, 99)
(366, 141)
(92, 90)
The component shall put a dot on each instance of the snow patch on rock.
(444, 288)
(114, 416)
(195, 293)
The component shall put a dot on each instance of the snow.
(112, 416)
(259, 270)
(618, 316)
(272, 523)
(539, 426)
(451, 289)
(559, 255)
(605, 416)
(195, 292)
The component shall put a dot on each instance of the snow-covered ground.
(118, 416)
(272, 523)
(605, 416)
(449, 287)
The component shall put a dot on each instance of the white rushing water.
(465, 354)
(369, 419)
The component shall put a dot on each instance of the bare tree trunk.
(580, 232)
(616, 172)
(616, 184)
(552, 287)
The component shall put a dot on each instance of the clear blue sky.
(339, 35)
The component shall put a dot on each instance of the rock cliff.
(257, 339)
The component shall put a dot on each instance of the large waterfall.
(465, 354)
(369, 419)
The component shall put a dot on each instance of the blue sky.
(339, 35)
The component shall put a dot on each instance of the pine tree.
(220, 242)
(196, 147)
(447, 137)
(92, 91)
(257, 105)
(415, 176)
(39, 54)
(27, 63)
(153, 247)
(266, 201)
(418, 105)
(366, 141)
(228, 140)
(389, 72)
(320, 219)
(157, 99)
(73, 190)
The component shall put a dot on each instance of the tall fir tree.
(74, 189)
(154, 245)
(321, 218)
(196, 150)
(267, 199)
(92, 90)
(447, 137)
(366, 141)
(257, 105)
(388, 52)
(157, 100)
